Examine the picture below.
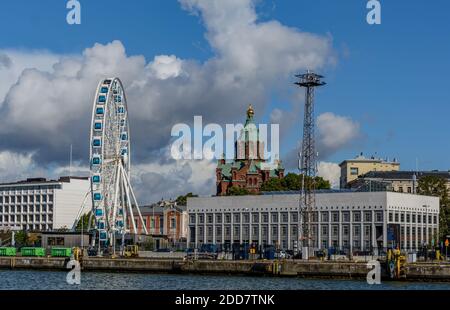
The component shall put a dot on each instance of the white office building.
(41, 205)
(350, 221)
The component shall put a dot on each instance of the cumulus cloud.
(46, 99)
(329, 171)
(15, 165)
(334, 133)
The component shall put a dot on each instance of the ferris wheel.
(113, 199)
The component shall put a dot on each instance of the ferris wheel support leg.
(137, 205)
(116, 190)
(127, 194)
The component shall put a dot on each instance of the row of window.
(283, 217)
(30, 188)
(325, 230)
(26, 199)
(412, 218)
(26, 209)
(26, 218)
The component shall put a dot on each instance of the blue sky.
(391, 79)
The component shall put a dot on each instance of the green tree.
(182, 200)
(21, 238)
(84, 222)
(293, 182)
(237, 191)
(273, 184)
(436, 186)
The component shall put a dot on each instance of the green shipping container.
(7, 251)
(61, 252)
(32, 252)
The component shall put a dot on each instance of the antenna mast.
(308, 158)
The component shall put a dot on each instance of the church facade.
(247, 170)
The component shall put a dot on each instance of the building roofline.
(43, 181)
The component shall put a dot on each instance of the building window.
(219, 218)
(265, 217)
(354, 171)
(246, 218)
(335, 217)
(434, 219)
(335, 230)
(402, 218)
(356, 231)
(255, 217)
(379, 216)
(236, 218)
(367, 231)
(345, 230)
(396, 217)
(413, 218)
(209, 218)
(324, 216)
(173, 223)
(346, 217)
(201, 218)
(400, 189)
(284, 217)
(324, 230)
(228, 218)
(408, 218)
(409, 189)
(368, 216)
(294, 217)
(274, 217)
(356, 216)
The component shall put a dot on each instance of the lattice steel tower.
(308, 158)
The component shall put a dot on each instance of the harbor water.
(56, 280)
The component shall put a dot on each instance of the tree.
(182, 200)
(84, 222)
(293, 182)
(436, 186)
(273, 184)
(238, 191)
(21, 238)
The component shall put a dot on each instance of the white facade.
(355, 221)
(39, 204)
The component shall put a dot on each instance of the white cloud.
(15, 166)
(164, 67)
(46, 99)
(335, 132)
(329, 171)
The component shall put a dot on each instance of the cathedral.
(246, 170)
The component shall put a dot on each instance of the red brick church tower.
(245, 171)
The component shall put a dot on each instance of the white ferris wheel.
(113, 199)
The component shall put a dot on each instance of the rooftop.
(405, 175)
(362, 158)
(32, 181)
